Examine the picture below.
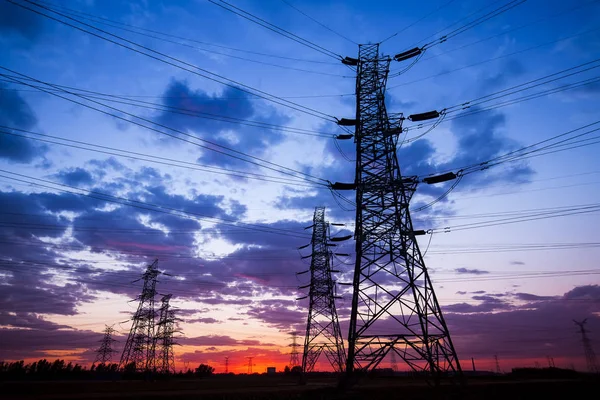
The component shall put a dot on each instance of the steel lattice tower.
(322, 327)
(139, 348)
(105, 351)
(394, 307)
(294, 359)
(590, 356)
(165, 358)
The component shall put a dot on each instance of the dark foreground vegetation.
(51, 381)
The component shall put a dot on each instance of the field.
(285, 387)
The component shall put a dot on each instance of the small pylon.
(294, 354)
(139, 348)
(105, 351)
(165, 359)
(250, 364)
(590, 356)
(323, 333)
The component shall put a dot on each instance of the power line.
(203, 72)
(320, 23)
(100, 20)
(417, 21)
(491, 59)
(282, 170)
(274, 28)
(144, 205)
(156, 159)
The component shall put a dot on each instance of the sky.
(179, 131)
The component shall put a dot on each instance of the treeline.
(62, 370)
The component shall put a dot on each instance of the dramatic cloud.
(16, 113)
(473, 271)
(217, 118)
(75, 177)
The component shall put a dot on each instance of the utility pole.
(294, 354)
(105, 351)
(394, 306)
(164, 337)
(590, 356)
(323, 334)
(139, 348)
(226, 364)
(250, 364)
(498, 371)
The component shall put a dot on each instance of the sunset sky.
(118, 151)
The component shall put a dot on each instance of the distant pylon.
(393, 362)
(294, 354)
(498, 371)
(105, 351)
(322, 327)
(139, 348)
(550, 362)
(590, 356)
(250, 364)
(226, 364)
(165, 358)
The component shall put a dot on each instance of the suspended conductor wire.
(430, 233)
(417, 21)
(274, 28)
(319, 23)
(205, 73)
(459, 177)
(339, 149)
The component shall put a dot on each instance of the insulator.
(350, 61)
(448, 176)
(303, 247)
(302, 298)
(346, 122)
(300, 273)
(344, 137)
(342, 254)
(336, 224)
(343, 186)
(331, 244)
(303, 287)
(308, 256)
(338, 297)
(344, 284)
(334, 270)
(419, 232)
(308, 227)
(408, 54)
(340, 239)
(424, 116)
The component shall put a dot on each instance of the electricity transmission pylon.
(394, 307)
(105, 351)
(165, 358)
(590, 356)
(323, 333)
(294, 354)
(139, 348)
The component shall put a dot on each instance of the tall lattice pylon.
(394, 307)
(590, 356)
(105, 351)
(139, 348)
(323, 333)
(165, 357)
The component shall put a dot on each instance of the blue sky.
(63, 253)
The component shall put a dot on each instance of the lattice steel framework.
(165, 357)
(394, 307)
(105, 351)
(590, 356)
(139, 348)
(294, 354)
(323, 333)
